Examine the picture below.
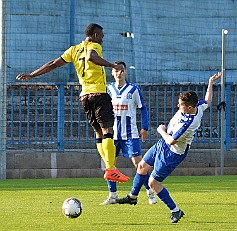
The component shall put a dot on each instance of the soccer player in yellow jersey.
(89, 64)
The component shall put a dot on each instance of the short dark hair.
(120, 63)
(91, 29)
(190, 98)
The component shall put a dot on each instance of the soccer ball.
(72, 208)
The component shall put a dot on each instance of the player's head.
(190, 98)
(95, 33)
(187, 101)
(120, 63)
(119, 74)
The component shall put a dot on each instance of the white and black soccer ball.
(72, 208)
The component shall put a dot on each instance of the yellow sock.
(100, 150)
(109, 152)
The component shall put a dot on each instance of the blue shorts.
(163, 160)
(130, 148)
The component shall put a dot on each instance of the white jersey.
(125, 101)
(183, 127)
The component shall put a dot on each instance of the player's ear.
(94, 36)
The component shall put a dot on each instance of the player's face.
(119, 74)
(183, 108)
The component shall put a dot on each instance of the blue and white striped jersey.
(125, 101)
(184, 126)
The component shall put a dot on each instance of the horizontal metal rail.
(51, 114)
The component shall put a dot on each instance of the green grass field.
(209, 203)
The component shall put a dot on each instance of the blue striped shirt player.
(126, 99)
(171, 149)
(183, 127)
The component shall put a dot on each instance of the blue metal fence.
(51, 114)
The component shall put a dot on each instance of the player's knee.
(135, 165)
(151, 183)
(136, 160)
(154, 184)
(141, 169)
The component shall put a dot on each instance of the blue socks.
(137, 183)
(165, 197)
(112, 186)
(146, 181)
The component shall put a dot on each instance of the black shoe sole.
(127, 202)
(182, 214)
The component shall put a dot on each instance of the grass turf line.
(209, 203)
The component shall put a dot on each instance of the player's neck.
(121, 83)
(193, 111)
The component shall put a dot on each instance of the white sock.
(132, 196)
(149, 191)
(113, 194)
(176, 209)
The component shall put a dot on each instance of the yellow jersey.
(92, 77)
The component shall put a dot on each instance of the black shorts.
(99, 110)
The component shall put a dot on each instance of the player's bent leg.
(155, 185)
(136, 160)
(143, 168)
(150, 194)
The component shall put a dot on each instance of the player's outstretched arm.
(209, 93)
(51, 65)
(96, 59)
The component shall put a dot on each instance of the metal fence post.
(61, 105)
(227, 128)
(72, 36)
(3, 87)
(222, 157)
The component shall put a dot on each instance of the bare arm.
(144, 135)
(96, 59)
(47, 67)
(209, 93)
(168, 138)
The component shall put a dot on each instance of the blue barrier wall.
(161, 41)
